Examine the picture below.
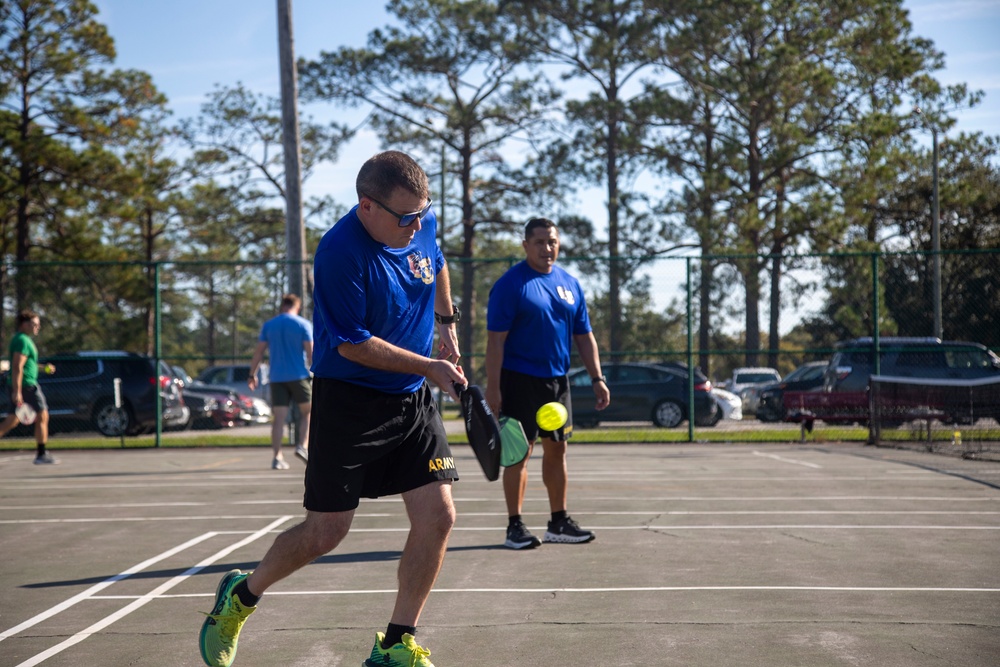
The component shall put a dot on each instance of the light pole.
(935, 227)
(936, 234)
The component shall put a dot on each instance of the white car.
(730, 405)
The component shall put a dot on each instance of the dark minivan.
(81, 393)
(854, 361)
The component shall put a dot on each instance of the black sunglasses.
(405, 219)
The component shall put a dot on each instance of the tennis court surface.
(715, 555)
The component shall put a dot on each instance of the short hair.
(535, 223)
(290, 301)
(25, 315)
(381, 174)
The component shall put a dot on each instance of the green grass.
(606, 435)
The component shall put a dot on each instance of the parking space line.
(152, 595)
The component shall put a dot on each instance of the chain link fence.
(719, 313)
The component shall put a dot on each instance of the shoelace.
(419, 653)
(229, 624)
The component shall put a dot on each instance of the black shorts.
(33, 396)
(367, 443)
(521, 395)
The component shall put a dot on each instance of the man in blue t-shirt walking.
(536, 313)
(289, 338)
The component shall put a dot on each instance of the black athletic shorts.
(521, 395)
(366, 443)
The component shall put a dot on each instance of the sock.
(559, 516)
(515, 518)
(394, 634)
(41, 449)
(242, 591)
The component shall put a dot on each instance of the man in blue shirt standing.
(381, 282)
(536, 312)
(289, 338)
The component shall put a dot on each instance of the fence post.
(157, 351)
(690, 349)
(875, 315)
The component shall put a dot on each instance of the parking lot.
(705, 555)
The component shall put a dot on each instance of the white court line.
(101, 506)
(784, 460)
(63, 606)
(791, 526)
(667, 476)
(530, 499)
(149, 597)
(615, 589)
(657, 512)
(16, 458)
(138, 518)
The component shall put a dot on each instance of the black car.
(642, 392)
(81, 393)
(771, 407)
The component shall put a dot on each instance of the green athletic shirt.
(21, 342)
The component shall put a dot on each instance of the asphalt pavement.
(714, 555)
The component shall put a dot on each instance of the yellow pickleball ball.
(551, 416)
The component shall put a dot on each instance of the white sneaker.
(302, 453)
(280, 464)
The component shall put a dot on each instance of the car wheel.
(667, 414)
(111, 421)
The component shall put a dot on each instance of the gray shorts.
(33, 396)
(283, 393)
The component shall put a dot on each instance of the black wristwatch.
(599, 378)
(449, 319)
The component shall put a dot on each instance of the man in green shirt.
(24, 382)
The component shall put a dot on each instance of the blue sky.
(188, 46)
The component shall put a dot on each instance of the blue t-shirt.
(541, 312)
(365, 289)
(285, 335)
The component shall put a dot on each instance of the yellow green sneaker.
(221, 630)
(404, 654)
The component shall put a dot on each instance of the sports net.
(957, 416)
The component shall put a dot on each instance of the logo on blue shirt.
(421, 268)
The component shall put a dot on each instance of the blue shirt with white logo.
(365, 289)
(541, 312)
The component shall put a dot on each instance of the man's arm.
(307, 347)
(494, 364)
(587, 345)
(258, 356)
(17, 377)
(448, 340)
(384, 356)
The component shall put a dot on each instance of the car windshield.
(754, 378)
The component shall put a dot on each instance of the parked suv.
(845, 396)
(81, 393)
(854, 361)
